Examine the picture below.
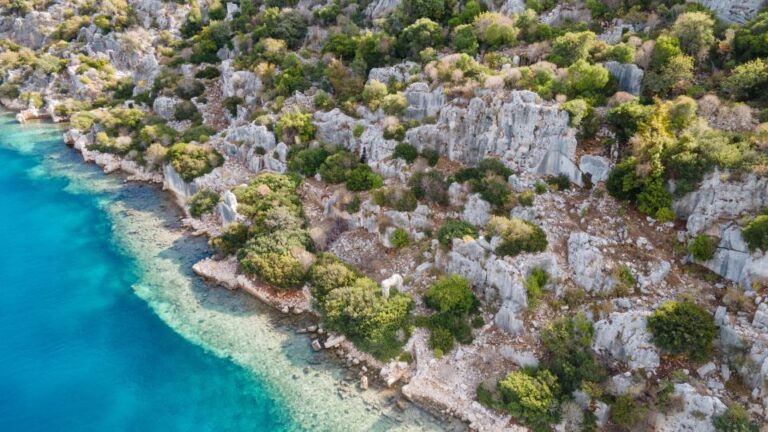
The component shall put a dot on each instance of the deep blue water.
(79, 351)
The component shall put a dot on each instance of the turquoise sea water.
(78, 350)
(103, 326)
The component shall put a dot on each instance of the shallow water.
(103, 326)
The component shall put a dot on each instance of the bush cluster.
(683, 327)
(517, 236)
(455, 229)
(204, 201)
(192, 161)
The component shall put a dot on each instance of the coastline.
(294, 309)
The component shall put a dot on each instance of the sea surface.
(104, 327)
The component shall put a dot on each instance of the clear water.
(103, 327)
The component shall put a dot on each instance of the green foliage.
(192, 161)
(530, 397)
(329, 273)
(423, 33)
(750, 40)
(288, 25)
(199, 133)
(495, 30)
(69, 29)
(755, 233)
(587, 80)
(736, 419)
(465, 40)
(703, 247)
(362, 178)
(452, 229)
(336, 168)
(572, 47)
(412, 10)
(451, 295)
(674, 77)
(394, 104)
(399, 238)
(622, 53)
(432, 156)
(429, 185)
(747, 80)
(695, 31)
(560, 182)
(186, 110)
(204, 201)
(627, 117)
(578, 109)
(397, 198)
(406, 152)
(232, 239)
(517, 236)
(277, 267)
(534, 286)
(683, 327)
(570, 358)
(627, 412)
(189, 88)
(441, 340)
(231, 103)
(307, 161)
(295, 127)
(373, 93)
(371, 321)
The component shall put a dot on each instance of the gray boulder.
(696, 414)
(734, 11)
(597, 167)
(423, 102)
(586, 262)
(629, 75)
(625, 337)
(476, 211)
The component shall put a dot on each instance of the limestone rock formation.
(735, 11)
(624, 337)
(718, 198)
(423, 102)
(520, 130)
(597, 167)
(587, 264)
(696, 414)
(630, 76)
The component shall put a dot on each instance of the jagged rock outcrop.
(624, 337)
(399, 72)
(227, 208)
(244, 84)
(597, 167)
(734, 11)
(423, 102)
(165, 107)
(506, 7)
(500, 280)
(381, 8)
(173, 182)
(255, 147)
(28, 31)
(476, 210)
(630, 76)
(587, 264)
(719, 198)
(733, 260)
(696, 413)
(159, 14)
(520, 130)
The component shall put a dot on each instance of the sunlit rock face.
(520, 130)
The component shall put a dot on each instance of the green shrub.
(465, 40)
(329, 273)
(374, 93)
(517, 236)
(736, 419)
(362, 178)
(432, 156)
(561, 182)
(423, 33)
(231, 104)
(572, 47)
(534, 286)
(405, 152)
(703, 247)
(396, 198)
(399, 238)
(337, 167)
(186, 110)
(451, 295)
(695, 31)
(394, 104)
(625, 279)
(232, 239)
(455, 229)
(530, 397)
(683, 327)
(526, 198)
(627, 117)
(441, 339)
(394, 131)
(587, 80)
(192, 161)
(495, 30)
(567, 342)
(626, 412)
(429, 185)
(755, 233)
(295, 127)
(622, 53)
(307, 161)
(204, 201)
(199, 133)
(209, 72)
(280, 269)
(189, 88)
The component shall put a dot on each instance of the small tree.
(530, 397)
(695, 30)
(703, 247)
(204, 201)
(451, 295)
(683, 327)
